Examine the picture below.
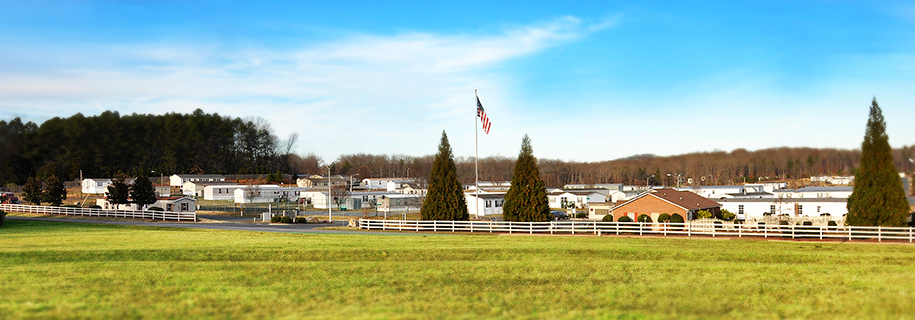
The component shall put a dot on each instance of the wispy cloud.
(397, 85)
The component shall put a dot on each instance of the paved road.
(237, 226)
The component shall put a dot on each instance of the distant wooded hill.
(102, 145)
(717, 167)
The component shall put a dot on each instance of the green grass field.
(69, 270)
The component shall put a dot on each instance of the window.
(800, 209)
(489, 203)
(818, 209)
(184, 207)
(772, 209)
(499, 203)
(740, 209)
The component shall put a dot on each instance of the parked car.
(9, 198)
(559, 215)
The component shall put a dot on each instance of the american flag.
(482, 115)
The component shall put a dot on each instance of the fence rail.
(689, 229)
(90, 212)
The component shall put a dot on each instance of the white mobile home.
(178, 180)
(95, 186)
(810, 207)
(490, 203)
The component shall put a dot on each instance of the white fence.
(689, 229)
(89, 212)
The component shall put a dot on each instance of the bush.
(676, 218)
(624, 219)
(285, 219)
(95, 206)
(2, 217)
(150, 208)
(832, 225)
(607, 218)
(275, 219)
(301, 220)
(718, 225)
(704, 214)
(727, 215)
(581, 215)
(644, 218)
(663, 217)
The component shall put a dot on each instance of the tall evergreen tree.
(526, 198)
(54, 191)
(118, 190)
(142, 192)
(31, 191)
(878, 198)
(445, 199)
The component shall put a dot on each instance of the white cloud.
(370, 91)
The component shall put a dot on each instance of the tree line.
(138, 144)
(715, 167)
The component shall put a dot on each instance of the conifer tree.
(878, 198)
(445, 198)
(526, 198)
(54, 191)
(118, 191)
(31, 191)
(142, 192)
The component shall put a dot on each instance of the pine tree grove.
(445, 198)
(878, 198)
(526, 198)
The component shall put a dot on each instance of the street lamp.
(678, 179)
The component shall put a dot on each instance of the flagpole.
(476, 157)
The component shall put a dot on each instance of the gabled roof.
(200, 176)
(683, 199)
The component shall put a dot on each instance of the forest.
(102, 145)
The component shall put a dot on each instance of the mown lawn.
(68, 270)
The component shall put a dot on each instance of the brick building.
(657, 201)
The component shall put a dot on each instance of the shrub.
(718, 225)
(704, 214)
(301, 220)
(727, 215)
(150, 208)
(95, 206)
(832, 225)
(581, 215)
(285, 219)
(663, 217)
(624, 219)
(607, 218)
(676, 218)
(644, 218)
(275, 219)
(2, 217)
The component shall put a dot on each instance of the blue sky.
(588, 81)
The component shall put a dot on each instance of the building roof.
(201, 176)
(684, 199)
(577, 192)
(783, 200)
